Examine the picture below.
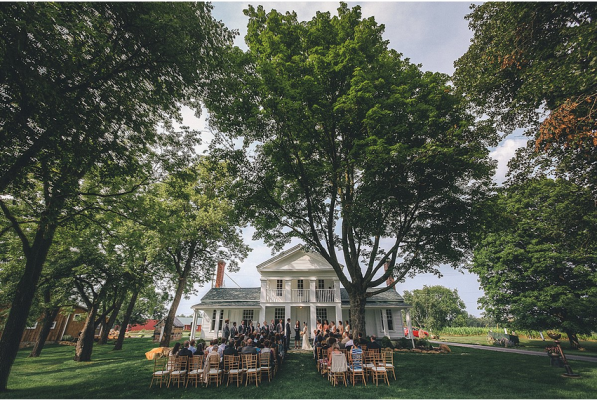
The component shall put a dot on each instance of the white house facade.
(301, 286)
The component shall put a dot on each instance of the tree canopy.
(435, 307)
(537, 265)
(349, 147)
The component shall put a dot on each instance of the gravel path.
(518, 351)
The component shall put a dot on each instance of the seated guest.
(345, 338)
(373, 345)
(175, 349)
(200, 349)
(331, 343)
(192, 346)
(267, 349)
(185, 350)
(249, 348)
(350, 342)
(362, 339)
(230, 350)
(222, 347)
(335, 349)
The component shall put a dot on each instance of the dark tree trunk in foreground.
(50, 315)
(21, 304)
(85, 343)
(125, 321)
(108, 325)
(358, 301)
(165, 342)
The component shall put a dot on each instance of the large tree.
(537, 263)
(534, 65)
(435, 307)
(349, 148)
(84, 85)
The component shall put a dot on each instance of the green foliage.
(404, 343)
(349, 148)
(538, 266)
(466, 331)
(434, 307)
(386, 342)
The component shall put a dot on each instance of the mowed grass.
(464, 373)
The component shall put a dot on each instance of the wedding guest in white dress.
(305, 333)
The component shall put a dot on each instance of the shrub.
(423, 344)
(404, 343)
(68, 338)
(386, 342)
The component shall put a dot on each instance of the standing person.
(265, 329)
(287, 335)
(242, 329)
(272, 327)
(297, 334)
(340, 327)
(346, 326)
(280, 327)
(226, 330)
(319, 326)
(233, 330)
(305, 333)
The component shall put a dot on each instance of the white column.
(263, 295)
(409, 325)
(261, 312)
(217, 326)
(288, 291)
(287, 312)
(338, 313)
(193, 325)
(312, 291)
(385, 325)
(337, 297)
(312, 317)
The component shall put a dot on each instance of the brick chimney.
(220, 274)
(390, 279)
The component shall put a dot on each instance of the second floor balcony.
(300, 295)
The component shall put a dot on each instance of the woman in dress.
(319, 326)
(297, 334)
(305, 333)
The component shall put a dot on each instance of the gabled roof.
(176, 323)
(296, 259)
(231, 297)
(280, 256)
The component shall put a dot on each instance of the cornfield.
(481, 331)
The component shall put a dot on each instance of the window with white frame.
(53, 325)
(279, 287)
(390, 319)
(279, 313)
(213, 320)
(300, 284)
(321, 313)
(248, 315)
(382, 318)
(32, 326)
(221, 319)
(321, 284)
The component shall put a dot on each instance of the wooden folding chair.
(160, 371)
(235, 372)
(379, 370)
(355, 368)
(389, 354)
(338, 368)
(265, 365)
(252, 369)
(213, 371)
(179, 371)
(368, 362)
(195, 373)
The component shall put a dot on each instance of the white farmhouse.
(300, 285)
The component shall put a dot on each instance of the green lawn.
(590, 347)
(463, 373)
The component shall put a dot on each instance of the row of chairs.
(207, 369)
(345, 366)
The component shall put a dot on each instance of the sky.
(433, 34)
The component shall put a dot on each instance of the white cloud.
(503, 153)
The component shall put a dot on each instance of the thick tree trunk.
(358, 299)
(573, 339)
(165, 342)
(85, 343)
(50, 315)
(23, 297)
(125, 320)
(108, 325)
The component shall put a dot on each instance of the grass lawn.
(590, 347)
(464, 373)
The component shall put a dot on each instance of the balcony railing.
(300, 295)
(324, 295)
(275, 295)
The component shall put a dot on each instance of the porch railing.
(300, 295)
(325, 295)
